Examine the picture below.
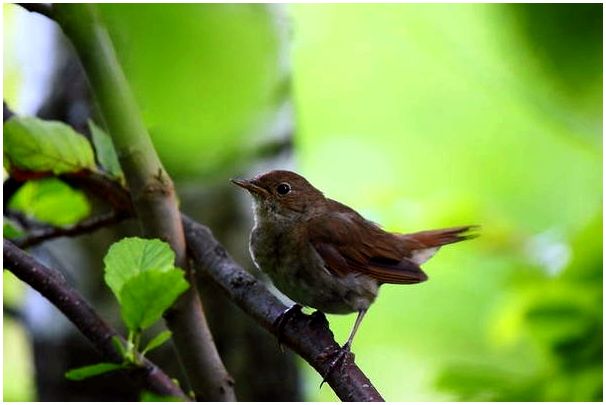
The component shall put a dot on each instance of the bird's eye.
(283, 188)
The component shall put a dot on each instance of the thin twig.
(102, 187)
(39, 235)
(20, 218)
(52, 285)
(309, 336)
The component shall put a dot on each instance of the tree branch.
(39, 235)
(52, 285)
(152, 192)
(304, 334)
(309, 336)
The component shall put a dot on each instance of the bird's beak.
(250, 186)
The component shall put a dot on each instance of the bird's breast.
(297, 270)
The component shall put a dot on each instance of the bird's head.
(282, 194)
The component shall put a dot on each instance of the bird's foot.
(281, 320)
(337, 359)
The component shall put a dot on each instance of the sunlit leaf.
(106, 153)
(18, 361)
(145, 296)
(43, 146)
(130, 256)
(82, 373)
(51, 200)
(157, 341)
(13, 290)
(117, 342)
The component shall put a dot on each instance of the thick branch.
(52, 285)
(309, 336)
(39, 235)
(150, 186)
(152, 192)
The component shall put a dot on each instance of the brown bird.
(323, 254)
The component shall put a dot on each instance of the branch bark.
(52, 285)
(39, 235)
(152, 193)
(309, 336)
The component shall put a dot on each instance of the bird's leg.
(340, 354)
(281, 320)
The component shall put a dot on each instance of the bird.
(323, 254)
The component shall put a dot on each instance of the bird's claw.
(281, 320)
(338, 356)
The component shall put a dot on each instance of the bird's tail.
(423, 245)
(441, 237)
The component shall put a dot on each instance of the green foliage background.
(419, 116)
(436, 115)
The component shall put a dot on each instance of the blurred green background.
(419, 116)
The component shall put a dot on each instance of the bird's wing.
(348, 243)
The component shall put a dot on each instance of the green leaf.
(81, 373)
(147, 396)
(13, 290)
(157, 341)
(119, 346)
(132, 256)
(51, 201)
(146, 296)
(11, 229)
(42, 146)
(106, 153)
